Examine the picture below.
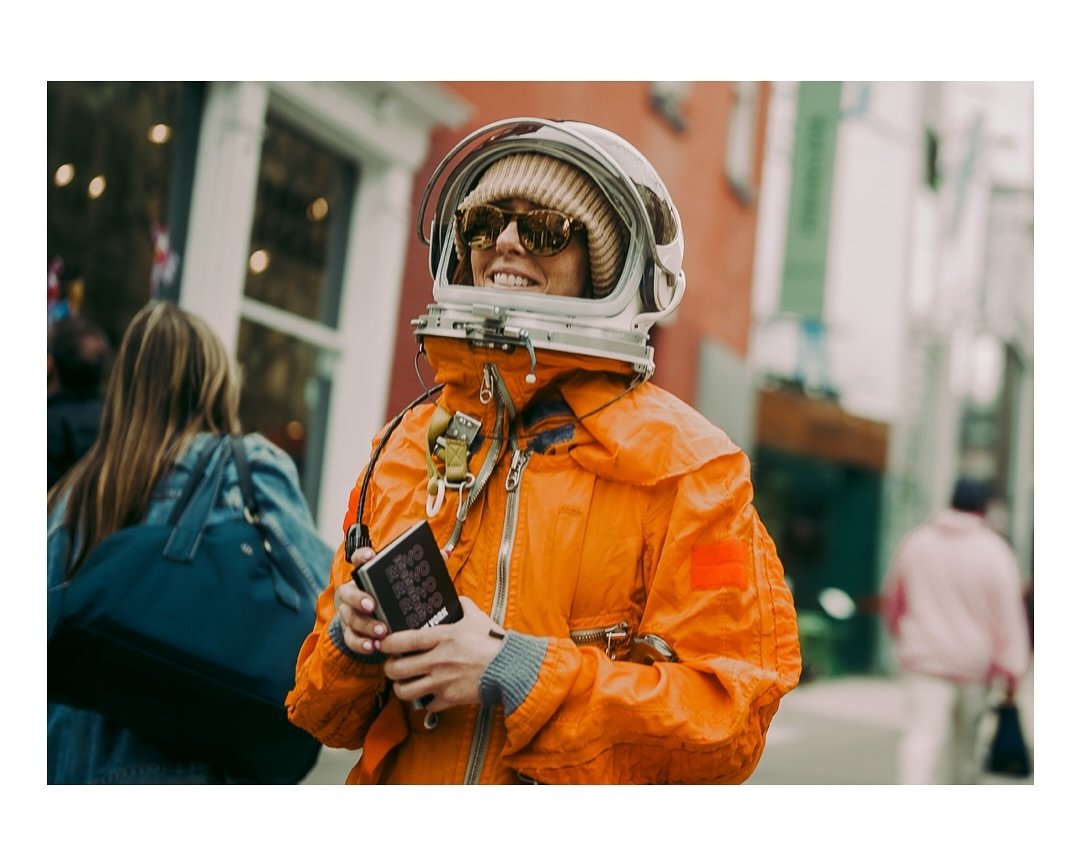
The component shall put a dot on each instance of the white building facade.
(927, 322)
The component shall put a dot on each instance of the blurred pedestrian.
(626, 616)
(172, 392)
(78, 356)
(953, 603)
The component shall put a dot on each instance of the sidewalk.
(846, 730)
(332, 768)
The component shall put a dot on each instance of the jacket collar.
(459, 366)
(640, 434)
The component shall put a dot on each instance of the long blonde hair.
(171, 380)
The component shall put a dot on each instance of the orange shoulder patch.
(719, 565)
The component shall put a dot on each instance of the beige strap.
(440, 419)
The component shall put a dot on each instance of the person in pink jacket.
(953, 603)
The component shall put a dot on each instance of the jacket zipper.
(611, 637)
(482, 729)
(510, 520)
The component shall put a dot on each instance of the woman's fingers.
(356, 608)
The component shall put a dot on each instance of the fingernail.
(366, 645)
(378, 645)
(380, 630)
(368, 605)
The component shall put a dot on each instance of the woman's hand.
(446, 661)
(356, 609)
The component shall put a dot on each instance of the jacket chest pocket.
(589, 574)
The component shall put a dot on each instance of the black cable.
(357, 535)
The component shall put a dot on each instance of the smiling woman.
(514, 252)
(508, 262)
(624, 616)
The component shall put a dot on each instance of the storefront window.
(285, 395)
(302, 204)
(287, 341)
(120, 166)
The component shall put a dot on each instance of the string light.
(64, 174)
(96, 187)
(159, 133)
(318, 209)
(259, 261)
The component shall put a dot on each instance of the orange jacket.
(643, 518)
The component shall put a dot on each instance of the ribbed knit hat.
(553, 183)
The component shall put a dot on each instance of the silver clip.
(487, 387)
(462, 427)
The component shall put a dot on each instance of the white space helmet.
(650, 283)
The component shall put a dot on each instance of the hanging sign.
(802, 291)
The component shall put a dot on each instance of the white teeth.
(508, 280)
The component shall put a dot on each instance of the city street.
(841, 731)
(845, 731)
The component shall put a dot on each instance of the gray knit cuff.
(337, 636)
(512, 673)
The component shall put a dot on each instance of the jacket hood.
(641, 435)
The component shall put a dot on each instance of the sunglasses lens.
(544, 232)
(478, 227)
(541, 232)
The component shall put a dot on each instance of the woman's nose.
(508, 239)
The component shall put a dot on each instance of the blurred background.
(859, 313)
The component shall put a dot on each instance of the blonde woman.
(173, 391)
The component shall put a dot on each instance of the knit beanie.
(550, 182)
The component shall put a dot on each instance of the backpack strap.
(190, 520)
(197, 472)
(243, 471)
(285, 569)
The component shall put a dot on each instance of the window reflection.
(285, 397)
(295, 262)
(301, 207)
(112, 184)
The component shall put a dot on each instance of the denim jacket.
(86, 747)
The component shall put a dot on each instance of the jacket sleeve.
(1012, 652)
(894, 594)
(337, 692)
(716, 594)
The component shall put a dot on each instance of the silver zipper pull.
(615, 636)
(487, 388)
(611, 637)
(517, 465)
